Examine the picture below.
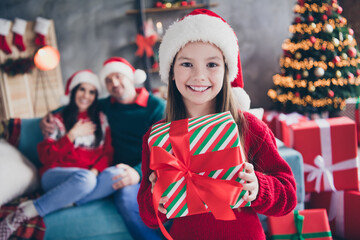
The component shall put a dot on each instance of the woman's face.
(199, 70)
(85, 96)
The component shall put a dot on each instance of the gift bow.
(145, 45)
(217, 194)
(323, 162)
(299, 235)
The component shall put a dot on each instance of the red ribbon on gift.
(217, 194)
(145, 45)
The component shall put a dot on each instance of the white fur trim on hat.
(195, 28)
(139, 76)
(242, 98)
(85, 77)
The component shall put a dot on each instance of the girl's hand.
(81, 128)
(163, 200)
(94, 171)
(252, 184)
(129, 176)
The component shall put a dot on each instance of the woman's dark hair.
(71, 111)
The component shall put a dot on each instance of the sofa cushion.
(17, 174)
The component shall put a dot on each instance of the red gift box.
(343, 211)
(306, 224)
(329, 151)
(352, 111)
(283, 123)
(269, 118)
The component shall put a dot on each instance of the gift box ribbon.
(299, 235)
(323, 163)
(217, 194)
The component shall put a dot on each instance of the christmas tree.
(320, 66)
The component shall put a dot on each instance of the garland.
(18, 66)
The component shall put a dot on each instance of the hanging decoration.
(175, 3)
(41, 29)
(4, 31)
(18, 29)
(14, 67)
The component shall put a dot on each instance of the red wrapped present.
(197, 161)
(283, 123)
(269, 118)
(343, 211)
(306, 224)
(329, 151)
(352, 111)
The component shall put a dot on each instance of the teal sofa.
(97, 220)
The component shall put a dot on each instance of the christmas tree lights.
(320, 66)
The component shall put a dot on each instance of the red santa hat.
(206, 26)
(83, 76)
(121, 65)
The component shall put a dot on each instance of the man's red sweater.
(276, 196)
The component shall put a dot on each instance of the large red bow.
(145, 45)
(217, 194)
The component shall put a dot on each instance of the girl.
(199, 58)
(73, 157)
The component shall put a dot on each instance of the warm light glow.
(47, 58)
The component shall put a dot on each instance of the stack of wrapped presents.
(329, 148)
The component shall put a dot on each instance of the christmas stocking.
(41, 28)
(19, 30)
(4, 31)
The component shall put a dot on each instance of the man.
(130, 113)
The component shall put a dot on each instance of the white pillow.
(18, 175)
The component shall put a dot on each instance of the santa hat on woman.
(121, 65)
(83, 76)
(206, 26)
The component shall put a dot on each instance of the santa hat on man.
(121, 65)
(206, 26)
(83, 76)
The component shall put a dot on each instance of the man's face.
(119, 86)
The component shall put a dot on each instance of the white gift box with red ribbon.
(329, 151)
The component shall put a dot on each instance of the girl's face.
(199, 70)
(85, 96)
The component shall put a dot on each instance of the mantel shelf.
(155, 10)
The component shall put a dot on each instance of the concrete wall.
(90, 31)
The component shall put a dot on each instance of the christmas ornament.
(313, 25)
(323, 47)
(298, 55)
(297, 94)
(329, 11)
(298, 76)
(46, 58)
(338, 74)
(339, 10)
(341, 38)
(335, 41)
(336, 59)
(184, 3)
(158, 4)
(352, 52)
(4, 31)
(41, 28)
(310, 18)
(350, 75)
(331, 93)
(357, 72)
(342, 20)
(305, 74)
(298, 20)
(168, 5)
(319, 72)
(323, 58)
(192, 3)
(328, 28)
(344, 56)
(301, 2)
(311, 88)
(18, 29)
(312, 39)
(351, 31)
(350, 38)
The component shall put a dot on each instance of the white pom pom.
(64, 100)
(139, 76)
(242, 98)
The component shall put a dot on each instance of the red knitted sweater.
(276, 197)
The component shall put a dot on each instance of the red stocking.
(41, 29)
(4, 31)
(19, 30)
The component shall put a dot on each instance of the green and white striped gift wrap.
(209, 133)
